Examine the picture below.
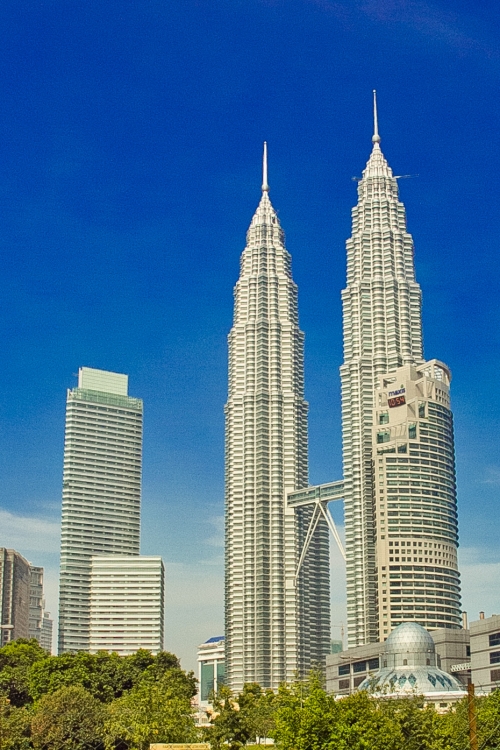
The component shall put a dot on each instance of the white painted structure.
(276, 624)
(127, 603)
(382, 331)
(211, 670)
(399, 495)
(101, 491)
(415, 518)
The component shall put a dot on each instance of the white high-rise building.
(14, 596)
(415, 517)
(276, 625)
(382, 333)
(37, 602)
(47, 631)
(127, 603)
(101, 491)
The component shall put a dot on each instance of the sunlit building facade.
(127, 603)
(383, 333)
(415, 519)
(276, 625)
(101, 491)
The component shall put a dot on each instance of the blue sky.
(130, 150)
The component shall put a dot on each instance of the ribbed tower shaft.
(382, 331)
(274, 628)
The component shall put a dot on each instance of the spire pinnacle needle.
(375, 138)
(265, 186)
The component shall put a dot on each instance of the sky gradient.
(130, 155)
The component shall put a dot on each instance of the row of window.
(359, 666)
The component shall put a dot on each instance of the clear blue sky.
(130, 147)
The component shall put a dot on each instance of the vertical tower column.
(101, 491)
(382, 331)
(267, 622)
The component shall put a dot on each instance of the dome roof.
(409, 666)
(409, 637)
(411, 680)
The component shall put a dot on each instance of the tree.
(227, 726)
(69, 719)
(14, 726)
(256, 710)
(304, 715)
(100, 674)
(16, 660)
(105, 675)
(154, 710)
(421, 727)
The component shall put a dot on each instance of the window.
(360, 666)
(383, 437)
(494, 657)
(421, 408)
(383, 417)
(343, 684)
(412, 431)
(373, 664)
(344, 669)
(495, 639)
(358, 680)
(495, 675)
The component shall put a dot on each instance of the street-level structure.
(485, 653)
(347, 670)
(277, 624)
(101, 491)
(211, 668)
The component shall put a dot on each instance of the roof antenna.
(265, 186)
(375, 137)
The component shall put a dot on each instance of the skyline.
(128, 181)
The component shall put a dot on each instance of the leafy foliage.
(16, 661)
(69, 719)
(14, 726)
(106, 676)
(158, 709)
(106, 702)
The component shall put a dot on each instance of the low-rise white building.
(126, 603)
(211, 674)
(485, 653)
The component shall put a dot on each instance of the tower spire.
(265, 186)
(375, 137)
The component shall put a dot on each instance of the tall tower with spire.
(276, 625)
(382, 331)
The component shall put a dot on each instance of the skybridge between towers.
(317, 497)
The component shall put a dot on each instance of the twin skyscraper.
(399, 490)
(398, 484)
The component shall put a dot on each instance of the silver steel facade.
(415, 501)
(382, 331)
(101, 491)
(400, 495)
(275, 625)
